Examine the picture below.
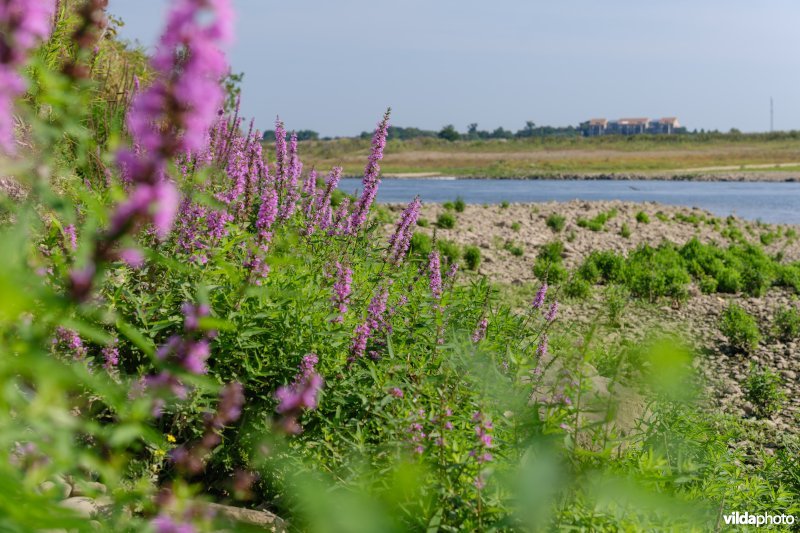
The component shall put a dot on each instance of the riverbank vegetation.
(196, 336)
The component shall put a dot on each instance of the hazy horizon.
(339, 65)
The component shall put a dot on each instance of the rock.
(89, 488)
(82, 505)
(56, 487)
(264, 519)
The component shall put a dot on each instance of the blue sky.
(334, 65)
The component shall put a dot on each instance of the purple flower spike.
(480, 331)
(23, 23)
(342, 290)
(401, 239)
(552, 312)
(541, 294)
(435, 274)
(371, 179)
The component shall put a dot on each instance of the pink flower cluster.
(342, 290)
(400, 240)
(371, 179)
(23, 24)
(301, 395)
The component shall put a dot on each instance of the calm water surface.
(766, 201)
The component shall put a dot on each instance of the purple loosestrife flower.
(552, 312)
(291, 192)
(374, 322)
(341, 220)
(301, 395)
(170, 118)
(267, 213)
(342, 290)
(70, 341)
(435, 274)
(323, 216)
(230, 406)
(397, 392)
(164, 523)
(541, 294)
(111, 356)
(192, 350)
(480, 331)
(401, 238)
(23, 23)
(542, 348)
(483, 431)
(71, 236)
(280, 155)
(371, 179)
(452, 271)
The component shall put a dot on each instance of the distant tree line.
(450, 133)
(532, 130)
(302, 135)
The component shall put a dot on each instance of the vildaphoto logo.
(758, 520)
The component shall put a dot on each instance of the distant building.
(630, 126)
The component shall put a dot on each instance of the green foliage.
(655, 272)
(642, 217)
(549, 264)
(472, 257)
(625, 231)
(450, 251)
(423, 222)
(421, 244)
(763, 390)
(787, 323)
(459, 205)
(504, 204)
(446, 220)
(577, 288)
(597, 223)
(516, 226)
(740, 328)
(616, 298)
(556, 222)
(513, 248)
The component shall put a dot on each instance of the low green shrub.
(421, 244)
(446, 220)
(514, 249)
(577, 288)
(516, 226)
(472, 257)
(740, 328)
(504, 204)
(450, 251)
(459, 205)
(549, 265)
(616, 298)
(625, 231)
(763, 390)
(642, 217)
(423, 222)
(556, 222)
(786, 324)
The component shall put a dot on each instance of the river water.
(775, 202)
